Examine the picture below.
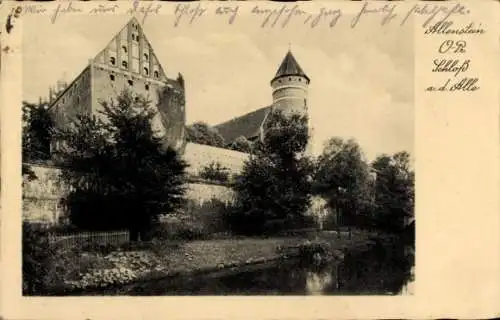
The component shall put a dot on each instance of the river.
(381, 270)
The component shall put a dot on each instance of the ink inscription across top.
(267, 15)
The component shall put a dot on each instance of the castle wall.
(41, 197)
(202, 192)
(199, 156)
(75, 100)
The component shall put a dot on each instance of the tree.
(274, 189)
(241, 144)
(38, 128)
(121, 173)
(202, 133)
(343, 177)
(394, 191)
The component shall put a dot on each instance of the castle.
(129, 61)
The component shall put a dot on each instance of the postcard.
(241, 159)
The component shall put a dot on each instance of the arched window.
(146, 71)
(124, 64)
(124, 49)
(112, 77)
(146, 86)
(112, 60)
(157, 75)
(146, 56)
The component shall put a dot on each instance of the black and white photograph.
(168, 156)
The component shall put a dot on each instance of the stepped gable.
(247, 125)
(121, 48)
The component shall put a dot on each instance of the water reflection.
(317, 282)
(384, 269)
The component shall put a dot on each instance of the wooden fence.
(91, 238)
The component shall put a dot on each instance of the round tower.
(290, 86)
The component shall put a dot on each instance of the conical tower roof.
(290, 67)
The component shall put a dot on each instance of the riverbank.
(168, 260)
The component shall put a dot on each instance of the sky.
(361, 79)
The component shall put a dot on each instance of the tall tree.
(343, 177)
(122, 174)
(274, 188)
(38, 128)
(394, 191)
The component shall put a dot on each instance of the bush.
(175, 228)
(216, 172)
(37, 252)
(202, 133)
(195, 221)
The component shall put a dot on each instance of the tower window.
(112, 60)
(131, 83)
(146, 57)
(124, 49)
(146, 87)
(124, 64)
(157, 74)
(146, 71)
(300, 79)
(289, 79)
(112, 77)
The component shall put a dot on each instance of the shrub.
(241, 144)
(202, 133)
(315, 252)
(195, 221)
(36, 259)
(216, 172)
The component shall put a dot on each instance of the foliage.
(121, 173)
(394, 191)
(194, 221)
(38, 128)
(215, 171)
(343, 178)
(274, 188)
(36, 259)
(202, 133)
(241, 144)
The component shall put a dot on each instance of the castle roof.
(290, 67)
(247, 125)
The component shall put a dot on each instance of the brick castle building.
(129, 61)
